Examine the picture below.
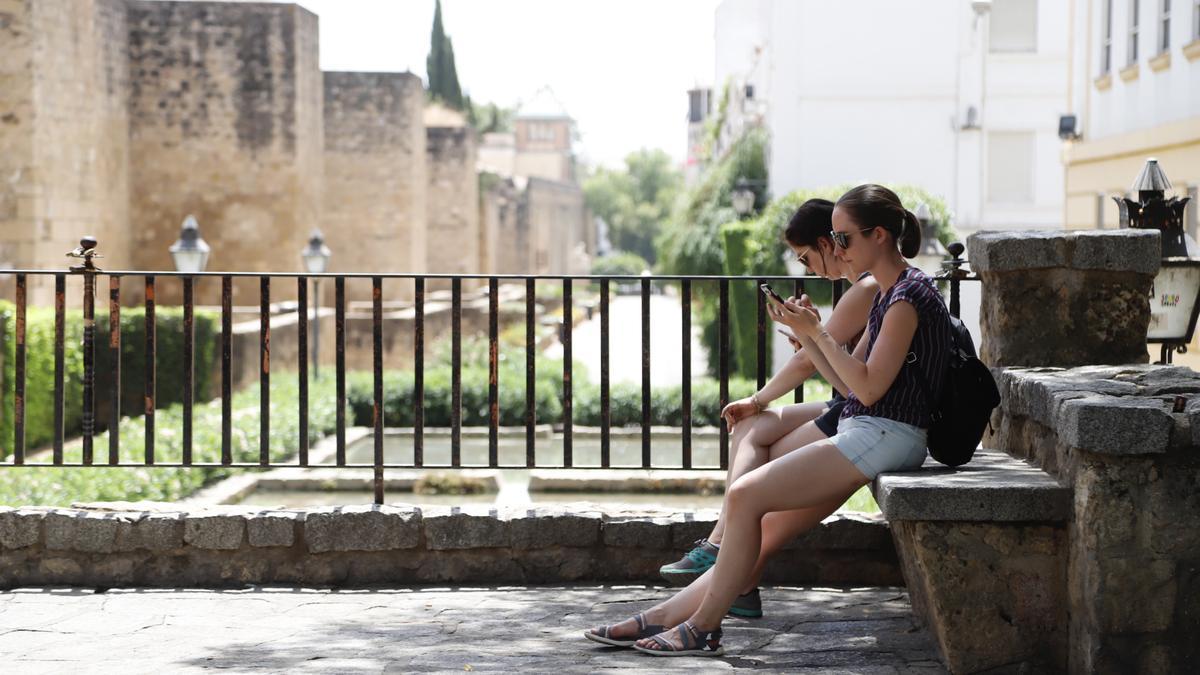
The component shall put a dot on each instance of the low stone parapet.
(151, 544)
(984, 552)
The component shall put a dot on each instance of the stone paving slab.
(496, 629)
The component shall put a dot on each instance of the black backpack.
(969, 393)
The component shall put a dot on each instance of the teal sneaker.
(748, 605)
(688, 568)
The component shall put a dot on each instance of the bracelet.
(757, 403)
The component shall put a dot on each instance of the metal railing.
(953, 275)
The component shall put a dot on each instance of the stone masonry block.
(638, 533)
(274, 528)
(846, 532)
(85, 531)
(221, 531)
(1137, 595)
(453, 528)
(1108, 250)
(540, 527)
(20, 527)
(689, 528)
(1116, 425)
(154, 532)
(362, 528)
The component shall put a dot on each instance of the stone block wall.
(164, 545)
(452, 201)
(64, 120)
(374, 203)
(557, 223)
(225, 124)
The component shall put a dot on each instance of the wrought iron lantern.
(743, 198)
(1175, 298)
(190, 251)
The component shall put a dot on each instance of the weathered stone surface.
(454, 527)
(638, 533)
(1116, 425)
(1138, 595)
(362, 528)
(20, 527)
(154, 531)
(688, 528)
(992, 487)
(846, 532)
(85, 531)
(1127, 250)
(542, 527)
(273, 528)
(222, 531)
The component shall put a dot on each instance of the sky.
(621, 68)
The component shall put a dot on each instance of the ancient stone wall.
(452, 201)
(225, 125)
(374, 202)
(63, 133)
(557, 220)
(505, 242)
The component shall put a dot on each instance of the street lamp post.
(190, 251)
(316, 260)
(932, 253)
(1175, 300)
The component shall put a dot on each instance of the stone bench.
(983, 550)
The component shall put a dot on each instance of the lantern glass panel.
(1173, 302)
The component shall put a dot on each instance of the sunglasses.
(802, 258)
(842, 239)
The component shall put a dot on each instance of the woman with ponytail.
(882, 427)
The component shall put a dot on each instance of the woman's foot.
(689, 568)
(625, 633)
(684, 639)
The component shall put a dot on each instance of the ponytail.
(910, 235)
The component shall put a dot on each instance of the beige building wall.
(557, 223)
(64, 157)
(375, 178)
(505, 242)
(225, 125)
(452, 201)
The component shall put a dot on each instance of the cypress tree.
(439, 64)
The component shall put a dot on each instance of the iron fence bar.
(377, 368)
(60, 309)
(226, 370)
(19, 375)
(838, 289)
(419, 371)
(493, 372)
(646, 456)
(114, 352)
(605, 403)
(568, 395)
(89, 364)
(456, 372)
(760, 303)
(339, 320)
(954, 301)
(302, 366)
(148, 375)
(387, 466)
(264, 371)
(189, 338)
(685, 301)
(798, 291)
(413, 275)
(723, 367)
(530, 373)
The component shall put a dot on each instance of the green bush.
(59, 486)
(39, 366)
(620, 263)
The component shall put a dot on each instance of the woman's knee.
(742, 496)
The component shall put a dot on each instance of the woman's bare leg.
(808, 478)
(753, 439)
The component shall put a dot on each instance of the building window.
(1106, 42)
(1196, 19)
(1164, 26)
(1013, 26)
(541, 132)
(1010, 167)
(1134, 24)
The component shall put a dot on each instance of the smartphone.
(787, 334)
(771, 294)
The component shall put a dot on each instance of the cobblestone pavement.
(509, 629)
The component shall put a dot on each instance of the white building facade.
(961, 98)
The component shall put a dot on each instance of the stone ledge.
(993, 487)
(1128, 250)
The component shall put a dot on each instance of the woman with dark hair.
(882, 427)
(760, 434)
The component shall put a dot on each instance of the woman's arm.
(870, 380)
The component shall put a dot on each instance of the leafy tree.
(489, 117)
(439, 65)
(636, 201)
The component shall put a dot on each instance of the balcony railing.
(148, 281)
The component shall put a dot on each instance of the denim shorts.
(876, 444)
